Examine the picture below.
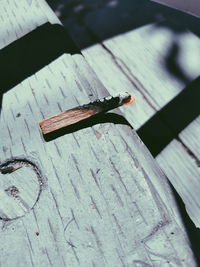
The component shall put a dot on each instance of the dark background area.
(91, 21)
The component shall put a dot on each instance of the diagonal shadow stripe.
(167, 123)
(32, 52)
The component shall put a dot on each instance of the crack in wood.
(189, 152)
(159, 226)
(71, 245)
(132, 79)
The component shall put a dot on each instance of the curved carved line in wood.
(21, 184)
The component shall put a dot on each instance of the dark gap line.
(189, 151)
(132, 79)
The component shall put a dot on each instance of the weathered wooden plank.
(98, 205)
(89, 86)
(141, 55)
(17, 19)
(114, 80)
(180, 161)
(137, 60)
(48, 12)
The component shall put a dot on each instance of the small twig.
(84, 112)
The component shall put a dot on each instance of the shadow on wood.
(192, 231)
(92, 22)
(167, 123)
(173, 66)
(27, 55)
(96, 119)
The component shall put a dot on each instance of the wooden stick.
(80, 113)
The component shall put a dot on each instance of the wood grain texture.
(103, 200)
(136, 61)
(64, 119)
(17, 18)
(98, 206)
(181, 162)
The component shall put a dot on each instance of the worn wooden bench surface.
(156, 63)
(135, 60)
(94, 197)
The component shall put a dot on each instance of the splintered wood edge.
(64, 119)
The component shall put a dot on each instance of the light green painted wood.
(103, 202)
(98, 205)
(135, 61)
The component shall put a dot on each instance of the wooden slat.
(180, 161)
(136, 60)
(141, 55)
(115, 80)
(47, 11)
(96, 206)
(102, 198)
